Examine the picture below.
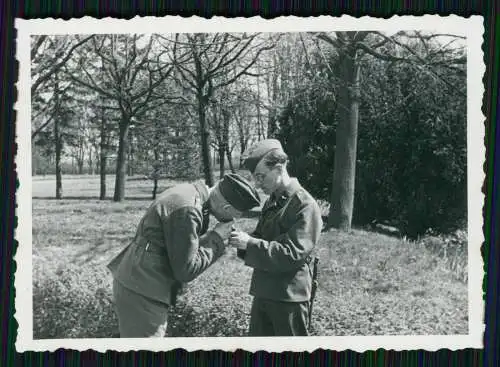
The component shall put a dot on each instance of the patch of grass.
(379, 285)
(71, 301)
(451, 250)
(370, 284)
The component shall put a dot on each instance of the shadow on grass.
(132, 198)
(162, 178)
(98, 250)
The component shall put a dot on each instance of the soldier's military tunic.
(168, 250)
(279, 252)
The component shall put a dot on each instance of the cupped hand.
(223, 229)
(239, 239)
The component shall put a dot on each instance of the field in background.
(87, 186)
(370, 284)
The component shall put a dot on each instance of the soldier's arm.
(187, 258)
(256, 234)
(290, 250)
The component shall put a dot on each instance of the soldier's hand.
(239, 240)
(223, 229)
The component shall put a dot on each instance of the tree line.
(343, 103)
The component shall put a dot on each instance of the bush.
(412, 162)
(412, 150)
(451, 248)
(308, 136)
(72, 302)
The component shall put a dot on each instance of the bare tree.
(128, 74)
(48, 55)
(207, 62)
(220, 123)
(247, 118)
(46, 64)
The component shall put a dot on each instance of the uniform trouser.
(276, 318)
(139, 316)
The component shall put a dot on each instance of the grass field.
(370, 284)
(85, 186)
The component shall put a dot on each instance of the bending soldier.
(172, 247)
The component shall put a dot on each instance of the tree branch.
(92, 85)
(39, 41)
(143, 61)
(434, 35)
(334, 42)
(43, 126)
(385, 57)
(148, 92)
(245, 69)
(420, 59)
(36, 84)
(222, 64)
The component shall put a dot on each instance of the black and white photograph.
(285, 184)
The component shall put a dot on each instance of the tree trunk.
(259, 120)
(58, 141)
(103, 159)
(230, 160)
(97, 162)
(342, 197)
(155, 187)
(221, 152)
(205, 142)
(130, 160)
(129, 163)
(272, 126)
(156, 171)
(243, 147)
(90, 162)
(57, 138)
(121, 160)
(80, 162)
(225, 138)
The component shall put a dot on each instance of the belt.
(159, 250)
(150, 247)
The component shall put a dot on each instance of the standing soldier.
(171, 247)
(279, 250)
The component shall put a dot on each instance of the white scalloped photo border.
(471, 27)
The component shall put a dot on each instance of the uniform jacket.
(280, 247)
(169, 248)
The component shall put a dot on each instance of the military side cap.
(239, 192)
(258, 151)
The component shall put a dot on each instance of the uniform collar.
(202, 190)
(287, 191)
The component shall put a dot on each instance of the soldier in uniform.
(279, 250)
(172, 246)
